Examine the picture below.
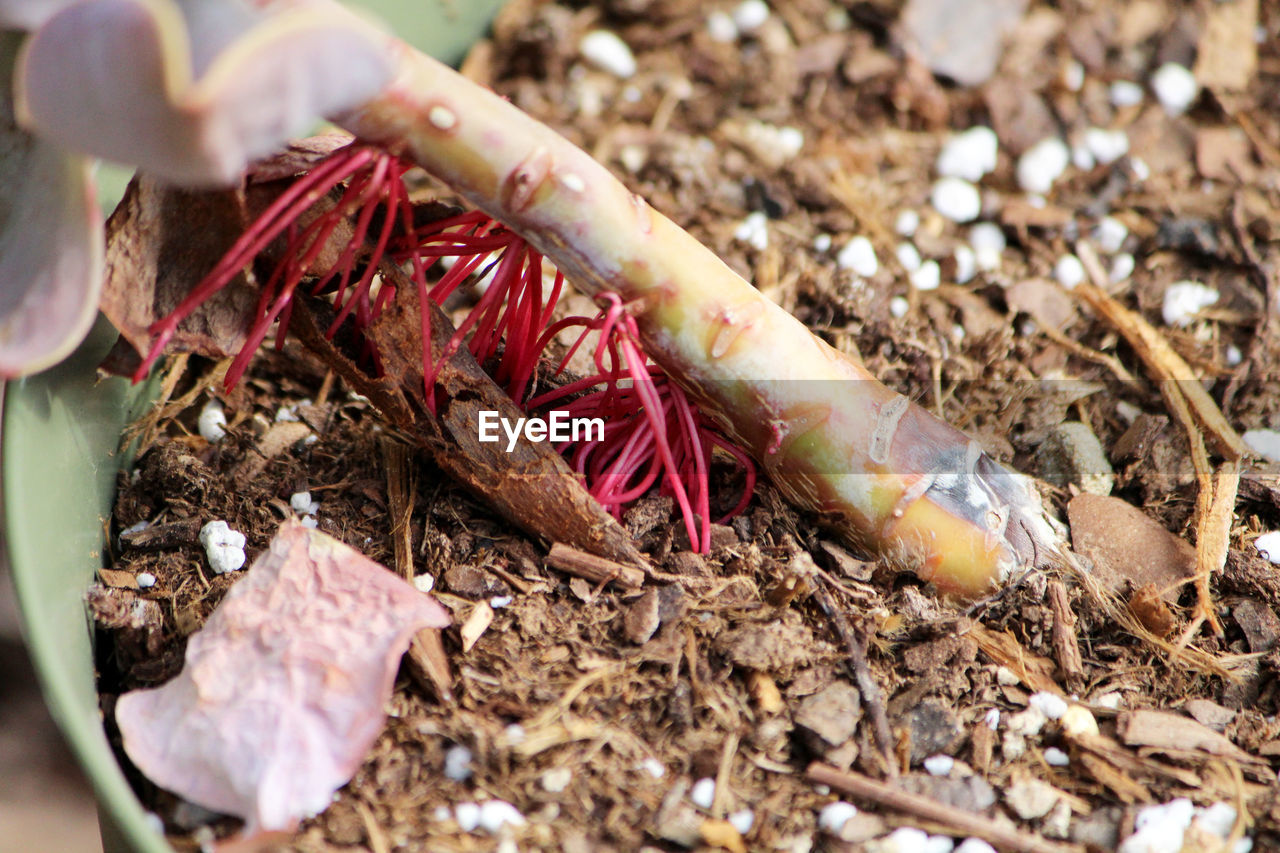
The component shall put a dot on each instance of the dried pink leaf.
(284, 688)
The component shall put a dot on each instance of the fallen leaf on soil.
(1126, 545)
(284, 688)
(1227, 53)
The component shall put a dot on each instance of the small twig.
(598, 570)
(960, 821)
(856, 644)
(400, 499)
(1066, 646)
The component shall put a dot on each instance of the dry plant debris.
(594, 708)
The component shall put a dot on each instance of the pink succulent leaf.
(28, 14)
(283, 691)
(192, 92)
(51, 245)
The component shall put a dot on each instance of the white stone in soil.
(969, 155)
(822, 243)
(908, 256)
(424, 582)
(1110, 234)
(500, 601)
(1268, 545)
(905, 839)
(1027, 723)
(987, 240)
(1160, 827)
(742, 820)
(1125, 93)
(1106, 146)
(992, 719)
(1130, 413)
(835, 815)
(653, 767)
(975, 845)
(1055, 757)
(703, 792)
(1051, 705)
(927, 277)
(1078, 720)
(496, 814)
(1218, 819)
(467, 815)
(939, 765)
(145, 580)
(966, 264)
(898, 307)
(212, 422)
(956, 199)
(223, 547)
(1265, 442)
(303, 504)
(754, 231)
(457, 763)
(859, 256)
(606, 51)
(1068, 271)
(906, 223)
(1122, 266)
(1233, 355)
(1184, 299)
(1042, 164)
(750, 15)
(1141, 171)
(939, 844)
(1082, 158)
(1175, 87)
(557, 779)
(309, 521)
(721, 28)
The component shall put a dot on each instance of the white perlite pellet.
(742, 820)
(703, 792)
(1042, 164)
(969, 155)
(303, 504)
(1122, 266)
(859, 256)
(223, 547)
(822, 243)
(1265, 442)
(898, 307)
(988, 244)
(557, 779)
(754, 231)
(467, 815)
(750, 15)
(1184, 299)
(1106, 146)
(966, 264)
(1068, 271)
(939, 765)
(606, 51)
(495, 814)
(721, 28)
(1125, 93)
(457, 763)
(906, 223)
(1110, 234)
(1073, 76)
(1051, 705)
(956, 199)
(927, 277)
(1055, 757)
(424, 582)
(908, 256)
(1175, 87)
(146, 580)
(835, 815)
(212, 422)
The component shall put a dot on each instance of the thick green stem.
(881, 469)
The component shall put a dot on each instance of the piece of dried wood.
(960, 821)
(1034, 671)
(1165, 731)
(589, 567)
(1066, 646)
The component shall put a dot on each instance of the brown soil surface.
(597, 733)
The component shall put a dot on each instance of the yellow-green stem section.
(854, 456)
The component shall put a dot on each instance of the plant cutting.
(885, 473)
